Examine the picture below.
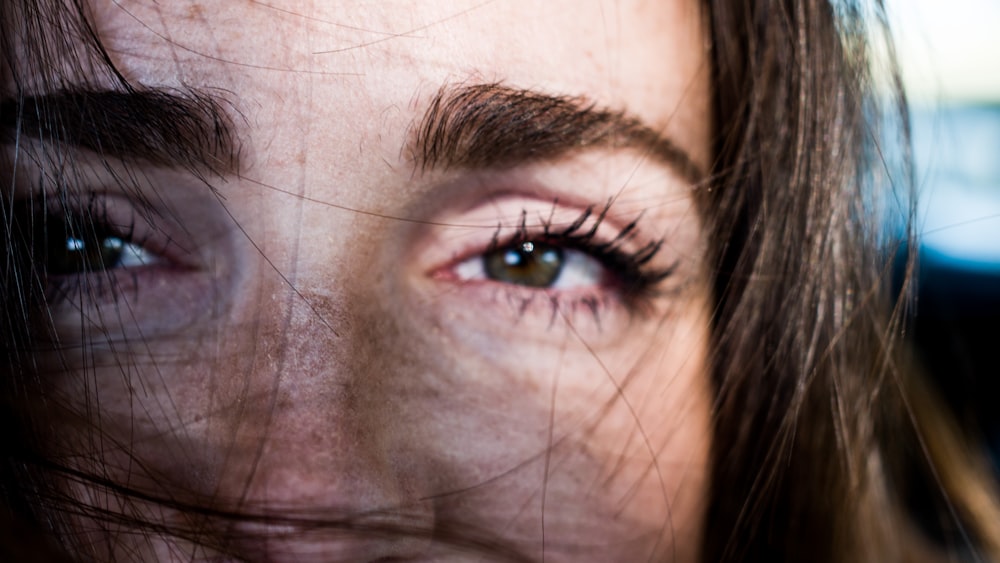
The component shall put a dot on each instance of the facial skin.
(321, 339)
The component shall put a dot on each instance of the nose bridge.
(322, 449)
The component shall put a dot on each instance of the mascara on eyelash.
(76, 227)
(630, 269)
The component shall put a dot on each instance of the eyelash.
(633, 278)
(627, 273)
(89, 222)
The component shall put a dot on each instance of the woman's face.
(398, 314)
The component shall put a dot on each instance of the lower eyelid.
(533, 313)
(151, 300)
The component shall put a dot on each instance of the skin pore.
(339, 330)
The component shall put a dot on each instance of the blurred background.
(949, 57)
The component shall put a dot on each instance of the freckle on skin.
(195, 12)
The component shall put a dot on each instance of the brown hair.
(815, 437)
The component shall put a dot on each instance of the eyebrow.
(474, 126)
(492, 125)
(171, 128)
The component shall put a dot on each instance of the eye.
(65, 248)
(534, 264)
(109, 264)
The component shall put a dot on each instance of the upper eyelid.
(611, 248)
(167, 197)
(501, 216)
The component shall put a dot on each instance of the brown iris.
(528, 263)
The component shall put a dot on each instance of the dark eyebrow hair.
(492, 125)
(176, 129)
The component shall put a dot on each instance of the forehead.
(358, 59)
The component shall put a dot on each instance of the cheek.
(591, 438)
(598, 446)
(361, 392)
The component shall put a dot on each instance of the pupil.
(67, 252)
(530, 264)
